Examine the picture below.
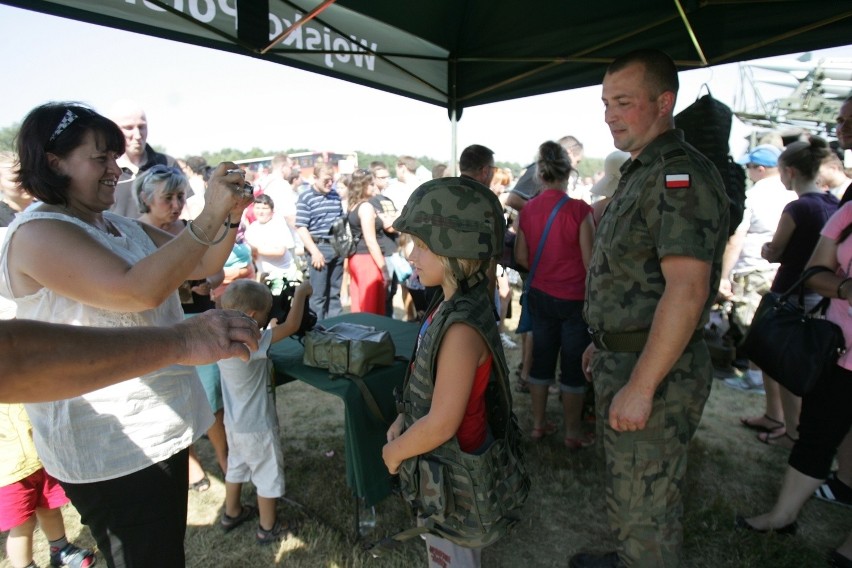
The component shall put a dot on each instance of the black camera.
(282, 302)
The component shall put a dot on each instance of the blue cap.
(765, 155)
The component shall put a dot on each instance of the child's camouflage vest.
(471, 500)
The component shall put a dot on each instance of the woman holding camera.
(120, 452)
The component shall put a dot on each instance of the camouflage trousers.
(748, 289)
(645, 469)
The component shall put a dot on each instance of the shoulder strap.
(800, 287)
(368, 397)
(543, 238)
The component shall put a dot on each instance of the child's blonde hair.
(247, 295)
(469, 266)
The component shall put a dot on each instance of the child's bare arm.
(461, 351)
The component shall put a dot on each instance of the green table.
(365, 435)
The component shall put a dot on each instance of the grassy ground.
(729, 472)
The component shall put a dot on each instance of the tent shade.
(460, 53)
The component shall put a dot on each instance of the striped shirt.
(317, 211)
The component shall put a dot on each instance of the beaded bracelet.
(839, 286)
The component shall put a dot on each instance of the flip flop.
(754, 423)
(229, 523)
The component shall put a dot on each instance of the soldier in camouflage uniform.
(447, 414)
(653, 275)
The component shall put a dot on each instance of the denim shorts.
(559, 333)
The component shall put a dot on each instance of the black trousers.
(825, 420)
(138, 520)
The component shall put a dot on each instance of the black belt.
(321, 239)
(628, 341)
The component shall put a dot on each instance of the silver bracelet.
(191, 227)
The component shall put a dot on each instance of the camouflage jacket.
(670, 201)
(466, 498)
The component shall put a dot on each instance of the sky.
(200, 99)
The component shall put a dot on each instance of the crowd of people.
(619, 272)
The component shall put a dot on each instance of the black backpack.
(281, 304)
(343, 241)
(706, 124)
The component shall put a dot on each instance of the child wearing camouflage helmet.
(456, 403)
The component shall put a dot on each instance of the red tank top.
(473, 428)
(472, 431)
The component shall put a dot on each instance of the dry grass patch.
(729, 472)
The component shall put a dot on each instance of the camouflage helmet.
(455, 217)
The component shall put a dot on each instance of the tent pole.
(454, 126)
(691, 32)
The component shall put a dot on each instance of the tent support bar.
(296, 25)
(576, 57)
(691, 32)
(313, 15)
(731, 54)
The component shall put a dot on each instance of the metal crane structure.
(818, 88)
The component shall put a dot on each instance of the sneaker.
(745, 383)
(507, 342)
(278, 531)
(73, 556)
(834, 491)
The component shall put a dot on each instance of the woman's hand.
(226, 192)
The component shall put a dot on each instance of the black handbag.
(790, 345)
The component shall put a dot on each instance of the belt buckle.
(597, 338)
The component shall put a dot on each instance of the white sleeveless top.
(125, 427)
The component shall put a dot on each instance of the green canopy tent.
(461, 53)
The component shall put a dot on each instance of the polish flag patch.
(676, 181)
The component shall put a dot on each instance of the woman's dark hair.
(58, 128)
(806, 156)
(553, 163)
(359, 187)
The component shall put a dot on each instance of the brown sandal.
(755, 423)
(777, 437)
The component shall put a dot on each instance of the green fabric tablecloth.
(365, 435)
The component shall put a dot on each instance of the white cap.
(605, 186)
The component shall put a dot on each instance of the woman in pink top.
(556, 294)
(827, 410)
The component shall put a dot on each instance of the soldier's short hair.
(660, 70)
(475, 157)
